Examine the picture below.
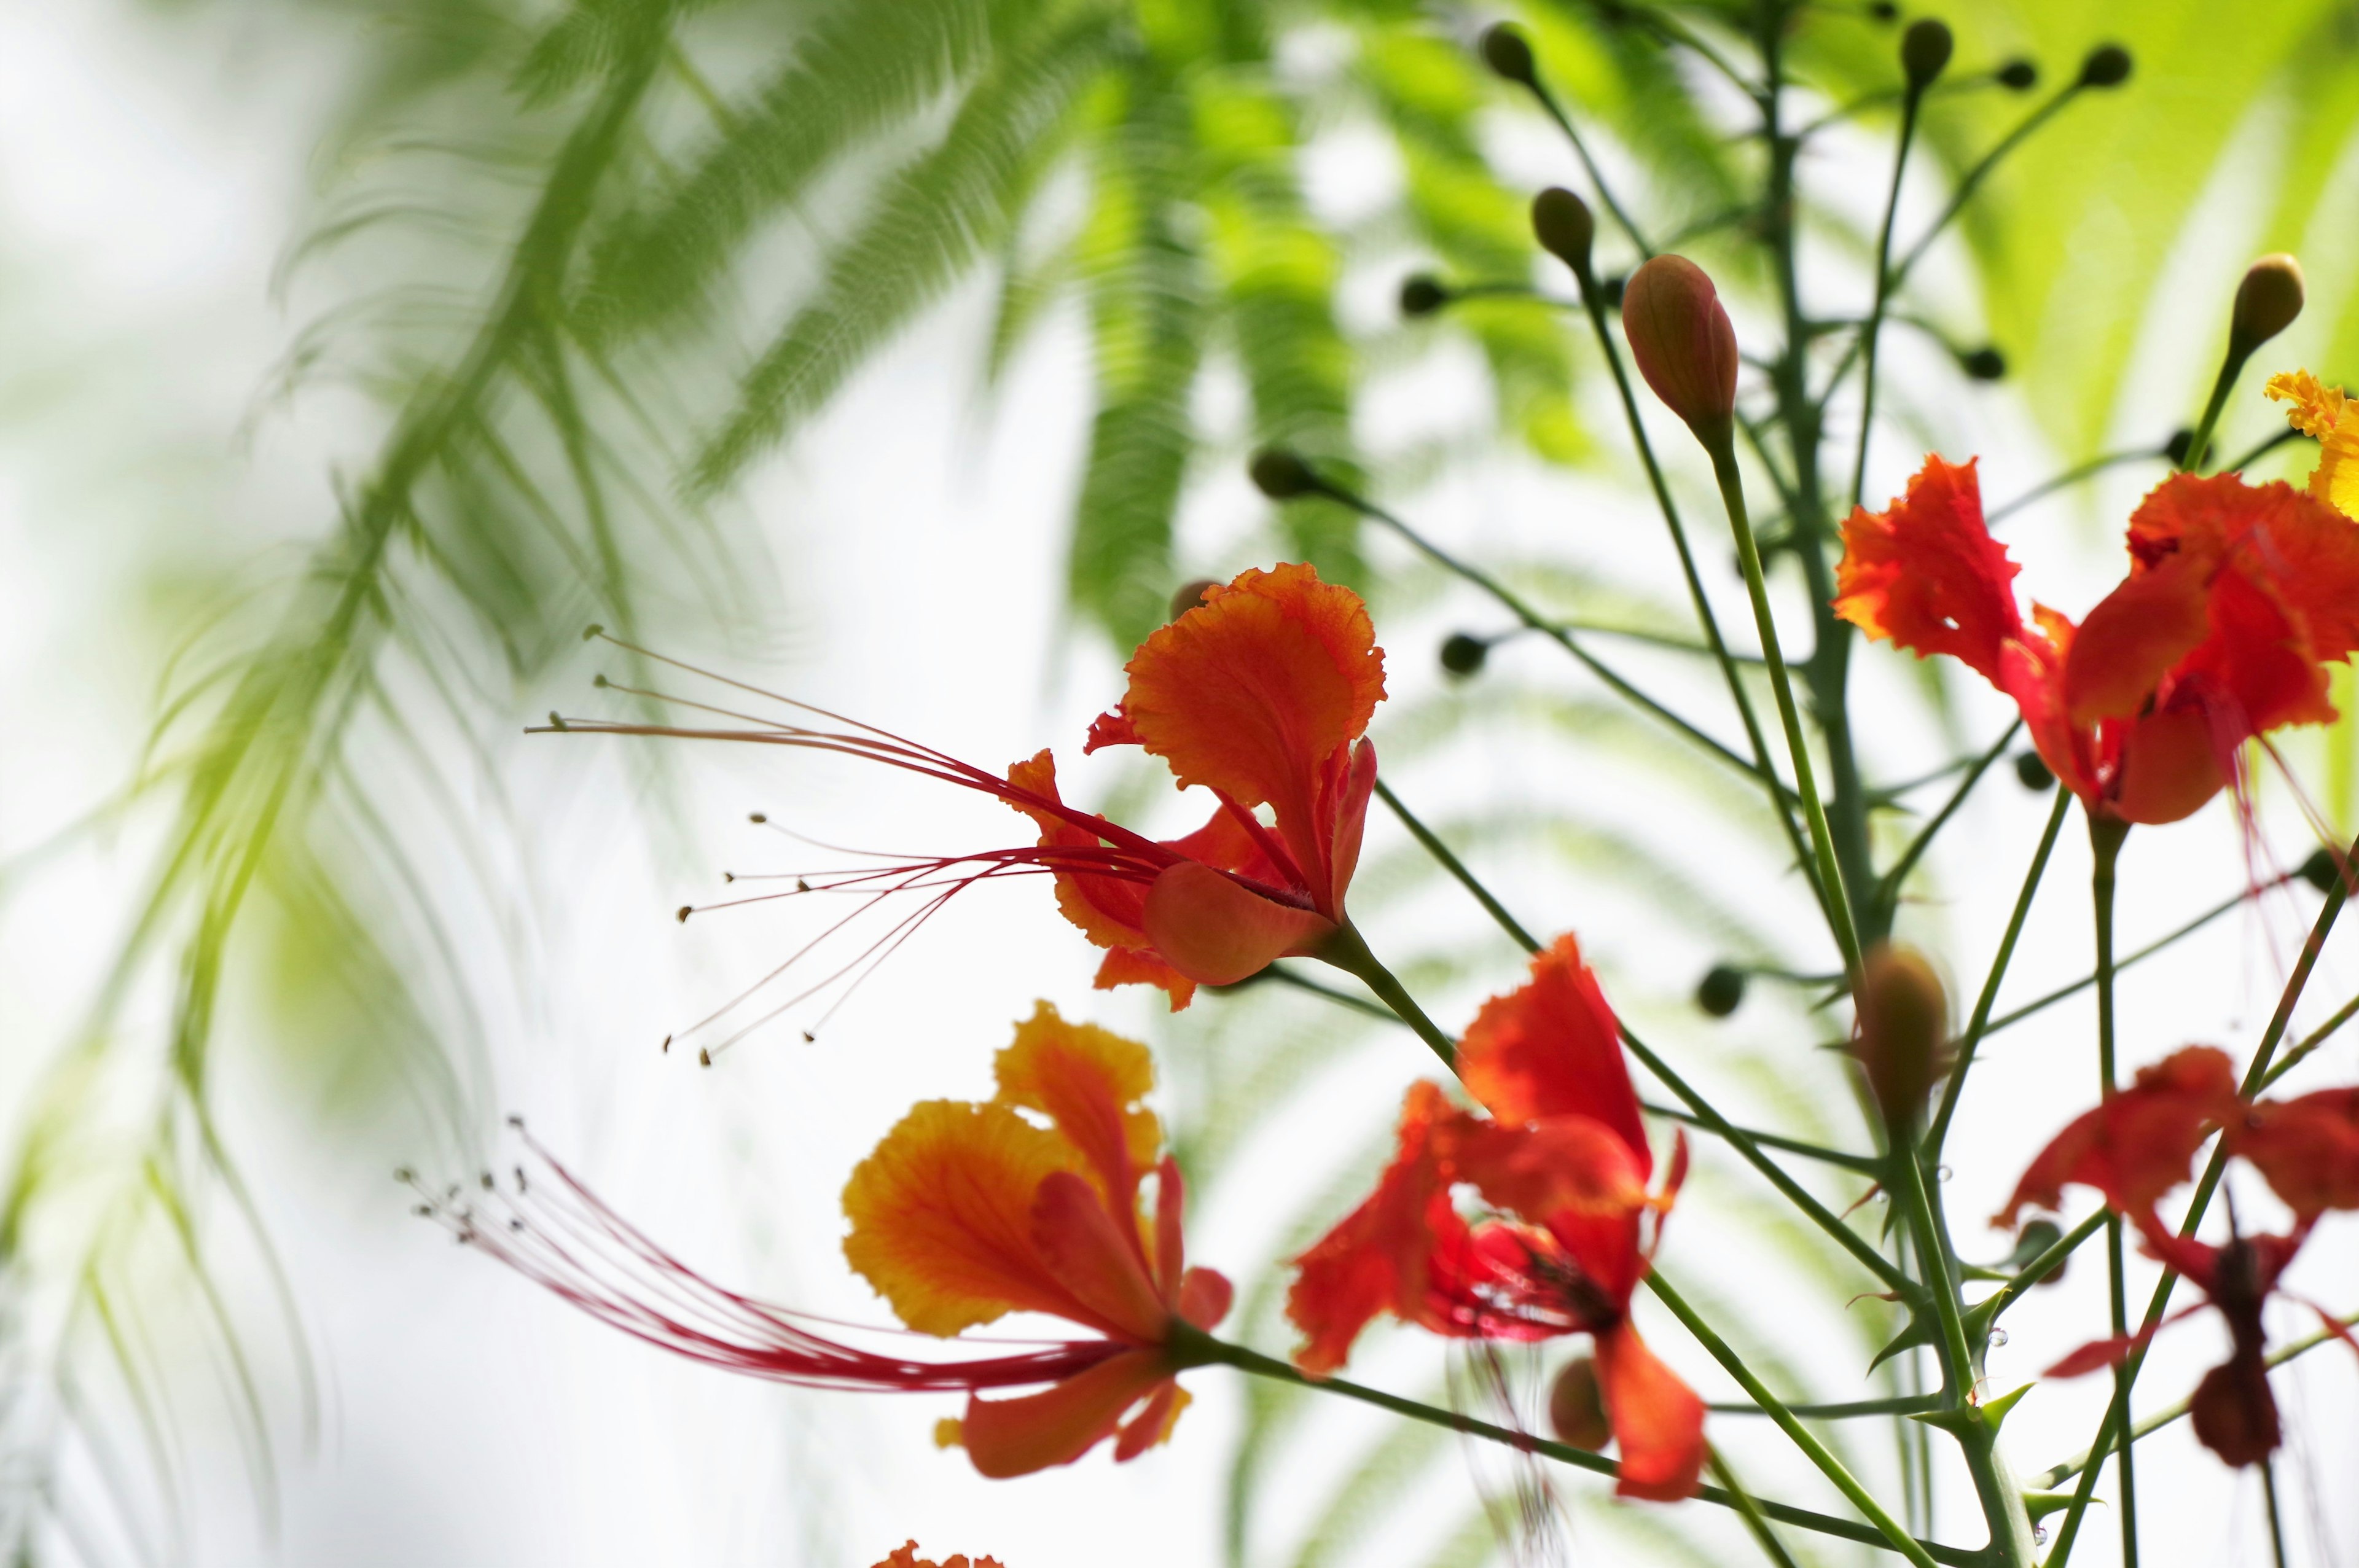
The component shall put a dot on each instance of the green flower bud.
(2017, 75)
(1462, 654)
(1925, 52)
(2267, 300)
(2032, 771)
(1509, 54)
(1721, 991)
(1564, 226)
(1422, 294)
(2322, 870)
(1282, 475)
(1985, 364)
(2108, 65)
(1903, 1033)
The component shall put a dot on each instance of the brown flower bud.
(2267, 301)
(1190, 595)
(1683, 343)
(1576, 1407)
(1564, 226)
(1904, 1030)
(1508, 53)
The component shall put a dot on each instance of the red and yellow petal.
(1107, 910)
(1927, 574)
(2327, 414)
(1552, 1047)
(1658, 1420)
(1145, 966)
(941, 1216)
(1061, 1424)
(1212, 930)
(2137, 1145)
(1090, 1083)
(1097, 1258)
(2306, 1147)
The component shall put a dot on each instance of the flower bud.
(1683, 343)
(2108, 65)
(2322, 871)
(1721, 991)
(1462, 654)
(2176, 448)
(1903, 1030)
(1509, 54)
(1925, 52)
(1576, 1407)
(1189, 596)
(2036, 1237)
(2266, 302)
(1883, 11)
(2017, 75)
(2031, 769)
(1280, 474)
(1564, 226)
(1422, 294)
(1985, 364)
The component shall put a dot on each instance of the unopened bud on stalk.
(1683, 343)
(1925, 52)
(1462, 654)
(1189, 596)
(2036, 1237)
(1422, 294)
(1576, 1407)
(2266, 302)
(1985, 364)
(2108, 65)
(2017, 75)
(1564, 226)
(1904, 1030)
(2176, 448)
(1721, 991)
(1280, 474)
(2032, 772)
(2322, 871)
(1509, 54)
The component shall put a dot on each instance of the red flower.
(1261, 694)
(2238, 595)
(1563, 1163)
(2139, 1145)
(965, 1213)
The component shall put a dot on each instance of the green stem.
(2232, 364)
(1192, 1347)
(2128, 960)
(2276, 1524)
(1988, 1310)
(1979, 1025)
(2106, 835)
(1861, 1165)
(1871, 330)
(1457, 867)
(1748, 554)
(1894, 1277)
(2312, 1041)
(1803, 1438)
(1348, 951)
(1774, 1548)
(1901, 1404)
(1888, 890)
(2072, 476)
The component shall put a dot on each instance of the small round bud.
(2176, 448)
(1985, 364)
(1282, 475)
(2322, 870)
(2037, 1236)
(1684, 345)
(592, 631)
(1721, 991)
(1509, 54)
(1612, 288)
(1565, 227)
(1925, 51)
(1883, 11)
(1576, 1407)
(1190, 595)
(2032, 772)
(1422, 294)
(2267, 300)
(2108, 65)
(1462, 654)
(2017, 75)
(1903, 1035)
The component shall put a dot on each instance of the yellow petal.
(1089, 1082)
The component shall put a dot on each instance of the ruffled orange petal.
(2327, 414)
(2031, 671)
(1375, 1259)
(2307, 1149)
(1061, 1424)
(2133, 637)
(1089, 1082)
(1153, 1424)
(1097, 1258)
(941, 1216)
(1658, 1420)
(2168, 765)
(1927, 574)
(1108, 910)
(1250, 693)
(2310, 553)
(2137, 1146)
(1565, 1165)
(1144, 966)
(1211, 929)
(1552, 1047)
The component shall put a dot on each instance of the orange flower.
(1028, 1202)
(1562, 1162)
(907, 1557)
(2139, 1145)
(1262, 694)
(2237, 596)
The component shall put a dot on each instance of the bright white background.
(148, 180)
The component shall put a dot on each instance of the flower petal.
(1097, 1258)
(2233, 1413)
(1658, 1420)
(1375, 1259)
(1059, 1425)
(1211, 929)
(1552, 1047)
(1089, 1082)
(941, 1216)
(2133, 637)
(1144, 966)
(2306, 1148)
(1574, 1176)
(2169, 765)
(1927, 574)
(1153, 1424)
(1206, 1295)
(2136, 1146)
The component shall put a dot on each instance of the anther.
(757, 817)
(517, 1122)
(424, 1211)
(801, 886)
(598, 681)
(592, 629)
(729, 877)
(685, 910)
(810, 1038)
(486, 1182)
(404, 1174)
(704, 1058)
(555, 722)
(519, 1179)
